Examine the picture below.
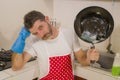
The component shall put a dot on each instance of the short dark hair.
(31, 17)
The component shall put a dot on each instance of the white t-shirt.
(65, 43)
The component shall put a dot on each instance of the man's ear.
(47, 19)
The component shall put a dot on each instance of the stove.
(5, 59)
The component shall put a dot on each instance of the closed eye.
(40, 27)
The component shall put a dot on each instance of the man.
(54, 49)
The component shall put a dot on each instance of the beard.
(49, 33)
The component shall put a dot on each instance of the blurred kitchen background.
(11, 17)
(64, 11)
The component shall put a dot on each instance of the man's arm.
(19, 60)
(82, 57)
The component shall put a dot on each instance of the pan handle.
(92, 47)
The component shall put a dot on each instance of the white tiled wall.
(65, 12)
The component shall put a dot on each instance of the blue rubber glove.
(19, 44)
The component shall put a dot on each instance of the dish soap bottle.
(116, 65)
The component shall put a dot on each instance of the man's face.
(42, 29)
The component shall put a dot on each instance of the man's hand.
(19, 44)
(93, 55)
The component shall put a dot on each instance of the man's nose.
(40, 33)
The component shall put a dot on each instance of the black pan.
(93, 24)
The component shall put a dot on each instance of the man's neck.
(55, 32)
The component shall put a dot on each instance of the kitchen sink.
(105, 61)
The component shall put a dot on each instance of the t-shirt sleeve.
(31, 51)
(76, 43)
(28, 44)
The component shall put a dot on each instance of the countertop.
(91, 73)
(9, 73)
(88, 72)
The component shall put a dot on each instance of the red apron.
(60, 68)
